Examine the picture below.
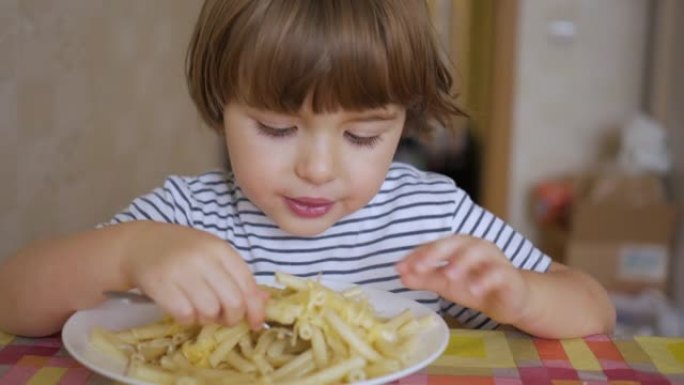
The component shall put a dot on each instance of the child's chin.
(305, 227)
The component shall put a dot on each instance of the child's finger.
(454, 280)
(256, 309)
(434, 280)
(424, 258)
(433, 255)
(243, 278)
(426, 267)
(173, 301)
(465, 264)
(487, 283)
(229, 295)
(205, 302)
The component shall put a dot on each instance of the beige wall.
(569, 94)
(93, 110)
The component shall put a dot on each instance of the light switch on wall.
(562, 31)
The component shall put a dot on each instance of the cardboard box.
(621, 232)
(553, 240)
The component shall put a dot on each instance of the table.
(472, 357)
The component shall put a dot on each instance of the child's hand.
(471, 272)
(194, 276)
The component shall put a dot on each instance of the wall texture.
(93, 110)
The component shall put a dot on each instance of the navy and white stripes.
(412, 207)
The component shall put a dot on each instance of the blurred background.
(575, 133)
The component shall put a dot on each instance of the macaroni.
(317, 336)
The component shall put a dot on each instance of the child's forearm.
(44, 283)
(566, 303)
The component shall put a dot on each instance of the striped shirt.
(413, 207)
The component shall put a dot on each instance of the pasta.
(317, 336)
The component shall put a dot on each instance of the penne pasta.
(351, 337)
(318, 336)
(330, 374)
(226, 345)
(319, 348)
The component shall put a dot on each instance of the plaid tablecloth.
(472, 358)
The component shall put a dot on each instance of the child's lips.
(307, 207)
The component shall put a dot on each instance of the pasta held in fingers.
(317, 336)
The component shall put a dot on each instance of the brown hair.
(353, 54)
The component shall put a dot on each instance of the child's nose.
(317, 164)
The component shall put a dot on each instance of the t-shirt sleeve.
(170, 203)
(471, 219)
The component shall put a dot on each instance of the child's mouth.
(309, 207)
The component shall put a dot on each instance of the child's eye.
(276, 132)
(364, 141)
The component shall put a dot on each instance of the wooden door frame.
(665, 91)
(498, 131)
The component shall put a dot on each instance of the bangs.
(348, 54)
(334, 53)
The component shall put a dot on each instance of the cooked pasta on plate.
(320, 333)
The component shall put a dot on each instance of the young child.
(312, 98)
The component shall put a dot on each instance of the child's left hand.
(471, 272)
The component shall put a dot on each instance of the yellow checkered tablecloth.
(472, 357)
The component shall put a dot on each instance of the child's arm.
(472, 272)
(190, 274)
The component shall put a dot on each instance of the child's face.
(306, 171)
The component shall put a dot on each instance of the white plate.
(117, 315)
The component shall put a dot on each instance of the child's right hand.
(194, 276)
